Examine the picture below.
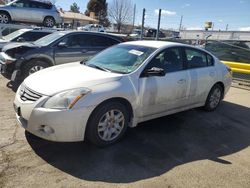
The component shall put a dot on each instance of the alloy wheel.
(111, 125)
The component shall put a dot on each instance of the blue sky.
(235, 13)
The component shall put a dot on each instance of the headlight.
(66, 99)
(6, 58)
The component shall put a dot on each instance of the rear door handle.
(181, 81)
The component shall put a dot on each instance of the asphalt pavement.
(189, 149)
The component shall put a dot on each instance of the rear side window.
(197, 59)
(102, 41)
(86, 40)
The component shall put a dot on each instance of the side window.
(170, 60)
(77, 41)
(32, 36)
(37, 35)
(21, 4)
(196, 58)
(102, 41)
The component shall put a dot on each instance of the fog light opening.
(47, 129)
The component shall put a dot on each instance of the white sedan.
(119, 88)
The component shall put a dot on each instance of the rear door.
(21, 10)
(203, 74)
(164, 93)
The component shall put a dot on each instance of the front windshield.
(45, 41)
(13, 35)
(122, 58)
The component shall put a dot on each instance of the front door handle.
(84, 51)
(181, 81)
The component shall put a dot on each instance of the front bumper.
(6, 68)
(52, 124)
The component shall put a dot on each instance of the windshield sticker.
(136, 52)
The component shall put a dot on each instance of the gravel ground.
(188, 149)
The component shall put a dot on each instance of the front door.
(77, 48)
(163, 93)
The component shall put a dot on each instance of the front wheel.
(33, 66)
(4, 18)
(214, 98)
(107, 124)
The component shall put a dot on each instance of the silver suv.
(32, 11)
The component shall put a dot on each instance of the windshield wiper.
(98, 67)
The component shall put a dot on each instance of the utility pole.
(180, 23)
(158, 27)
(134, 16)
(142, 24)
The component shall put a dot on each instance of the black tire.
(95, 136)
(214, 98)
(49, 21)
(4, 18)
(33, 66)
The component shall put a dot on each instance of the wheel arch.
(6, 12)
(222, 86)
(121, 100)
(22, 66)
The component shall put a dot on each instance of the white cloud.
(220, 20)
(165, 12)
(244, 28)
(186, 5)
(194, 28)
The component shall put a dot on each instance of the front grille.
(27, 94)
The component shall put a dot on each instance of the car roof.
(154, 44)
(96, 33)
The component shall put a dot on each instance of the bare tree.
(121, 12)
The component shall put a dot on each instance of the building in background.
(215, 35)
(74, 20)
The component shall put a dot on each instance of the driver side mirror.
(154, 71)
(62, 45)
(20, 39)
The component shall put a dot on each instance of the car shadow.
(155, 147)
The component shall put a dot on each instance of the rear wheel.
(214, 98)
(34, 66)
(49, 22)
(4, 18)
(107, 124)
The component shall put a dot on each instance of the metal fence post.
(158, 27)
(142, 25)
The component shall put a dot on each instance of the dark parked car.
(153, 32)
(60, 47)
(24, 35)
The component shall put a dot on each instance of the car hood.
(3, 43)
(13, 45)
(69, 76)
